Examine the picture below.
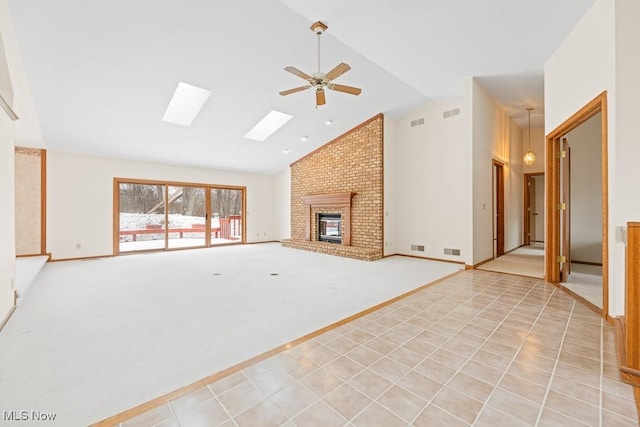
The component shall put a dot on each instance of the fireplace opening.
(330, 228)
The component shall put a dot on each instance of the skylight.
(267, 126)
(186, 103)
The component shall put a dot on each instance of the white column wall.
(7, 188)
(80, 199)
(426, 172)
(390, 184)
(282, 204)
(581, 68)
(495, 136)
(7, 217)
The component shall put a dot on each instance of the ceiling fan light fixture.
(319, 80)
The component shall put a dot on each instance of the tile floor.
(481, 348)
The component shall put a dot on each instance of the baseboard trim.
(451, 261)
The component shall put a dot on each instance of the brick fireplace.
(343, 176)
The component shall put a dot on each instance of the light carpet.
(97, 337)
(524, 261)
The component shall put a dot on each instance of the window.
(163, 216)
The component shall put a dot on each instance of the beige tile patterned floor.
(481, 348)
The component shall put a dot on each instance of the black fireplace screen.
(330, 228)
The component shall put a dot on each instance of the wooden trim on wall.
(632, 297)
(334, 140)
(552, 186)
(43, 202)
(335, 200)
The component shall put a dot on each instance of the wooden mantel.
(336, 200)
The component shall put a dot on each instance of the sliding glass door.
(162, 216)
(226, 215)
(187, 217)
(141, 217)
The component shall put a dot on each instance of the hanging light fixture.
(529, 158)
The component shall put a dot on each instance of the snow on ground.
(134, 221)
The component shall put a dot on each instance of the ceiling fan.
(319, 81)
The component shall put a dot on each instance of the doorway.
(576, 202)
(533, 208)
(498, 209)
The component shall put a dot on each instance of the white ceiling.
(102, 72)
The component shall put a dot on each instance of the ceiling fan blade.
(294, 90)
(320, 97)
(346, 89)
(295, 71)
(339, 70)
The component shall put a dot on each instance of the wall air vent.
(417, 248)
(417, 122)
(450, 251)
(450, 113)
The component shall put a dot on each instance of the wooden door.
(499, 208)
(531, 184)
(565, 209)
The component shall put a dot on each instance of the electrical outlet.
(78, 245)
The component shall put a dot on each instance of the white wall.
(282, 204)
(391, 168)
(581, 68)
(7, 216)
(495, 136)
(624, 178)
(586, 191)
(7, 207)
(425, 182)
(27, 129)
(80, 199)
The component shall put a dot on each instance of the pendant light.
(529, 158)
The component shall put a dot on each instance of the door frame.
(498, 205)
(553, 196)
(527, 204)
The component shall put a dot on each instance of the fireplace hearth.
(330, 227)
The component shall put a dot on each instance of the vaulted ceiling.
(101, 73)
